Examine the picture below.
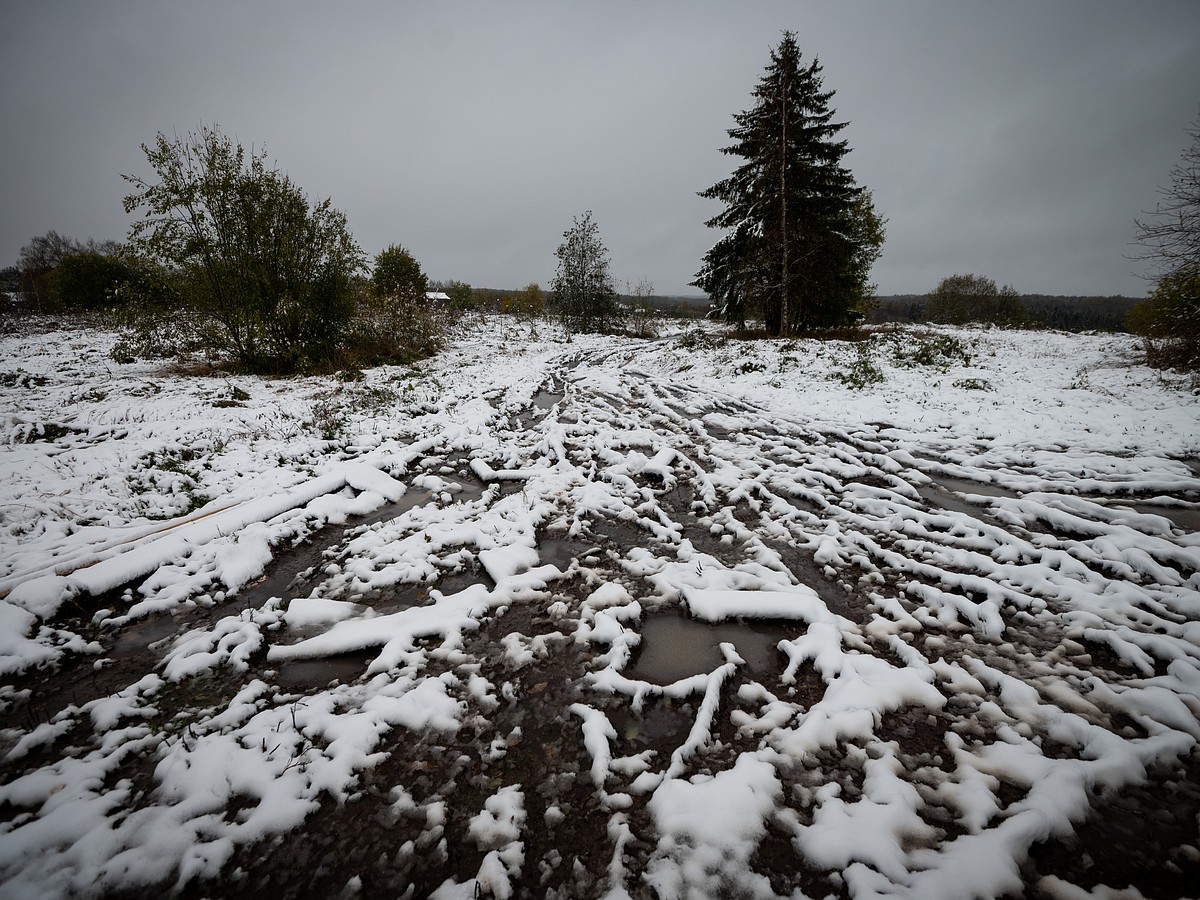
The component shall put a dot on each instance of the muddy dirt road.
(637, 636)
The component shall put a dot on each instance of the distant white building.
(437, 298)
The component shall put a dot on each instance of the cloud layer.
(1013, 140)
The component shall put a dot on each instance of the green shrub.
(959, 299)
(461, 294)
(268, 281)
(89, 280)
(1169, 322)
(393, 322)
(397, 276)
(937, 350)
(862, 371)
(152, 318)
(699, 339)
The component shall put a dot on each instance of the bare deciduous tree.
(1170, 235)
(1169, 319)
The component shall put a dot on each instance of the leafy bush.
(862, 371)
(89, 280)
(388, 331)
(397, 276)
(699, 339)
(643, 322)
(528, 302)
(461, 294)
(39, 272)
(937, 350)
(393, 322)
(153, 320)
(1169, 322)
(959, 299)
(267, 279)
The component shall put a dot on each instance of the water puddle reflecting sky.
(675, 646)
(311, 674)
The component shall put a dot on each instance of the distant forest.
(1047, 311)
(1044, 310)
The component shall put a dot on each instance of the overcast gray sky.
(1016, 140)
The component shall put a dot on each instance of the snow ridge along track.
(629, 629)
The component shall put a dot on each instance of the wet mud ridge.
(627, 637)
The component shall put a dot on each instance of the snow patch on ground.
(989, 603)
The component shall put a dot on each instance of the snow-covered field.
(685, 617)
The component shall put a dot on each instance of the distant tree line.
(1064, 313)
(55, 271)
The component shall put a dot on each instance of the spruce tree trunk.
(773, 316)
(785, 285)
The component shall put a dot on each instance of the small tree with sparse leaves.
(583, 289)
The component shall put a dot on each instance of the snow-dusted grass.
(997, 524)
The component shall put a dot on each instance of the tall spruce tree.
(801, 234)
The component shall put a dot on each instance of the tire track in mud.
(1012, 650)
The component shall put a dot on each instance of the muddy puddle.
(313, 674)
(291, 573)
(293, 569)
(562, 553)
(966, 486)
(546, 398)
(837, 600)
(139, 635)
(676, 646)
(947, 492)
(389, 511)
(393, 598)
(657, 723)
(543, 401)
(1182, 517)
(949, 502)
